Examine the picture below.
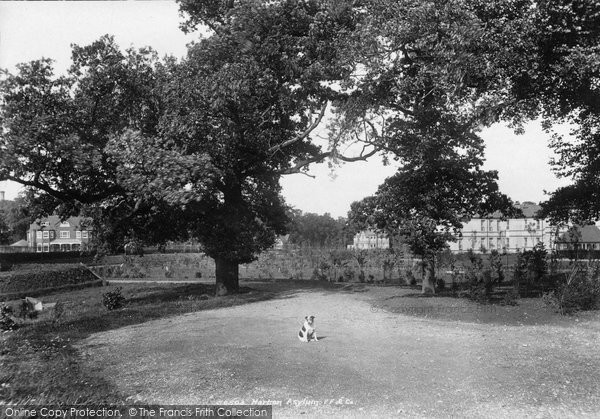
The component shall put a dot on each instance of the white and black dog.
(308, 330)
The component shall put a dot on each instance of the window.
(525, 243)
(491, 225)
(65, 224)
(52, 234)
(86, 234)
(508, 224)
(482, 225)
(46, 247)
(45, 224)
(498, 225)
(537, 224)
(459, 244)
(39, 247)
(507, 243)
(78, 234)
(46, 234)
(65, 234)
(38, 235)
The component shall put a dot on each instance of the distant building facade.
(508, 235)
(369, 239)
(50, 234)
(580, 238)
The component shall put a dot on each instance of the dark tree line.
(316, 230)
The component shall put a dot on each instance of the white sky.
(31, 30)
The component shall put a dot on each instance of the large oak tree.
(193, 148)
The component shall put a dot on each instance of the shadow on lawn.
(445, 307)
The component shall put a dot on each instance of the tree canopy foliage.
(316, 230)
(15, 217)
(162, 149)
(192, 148)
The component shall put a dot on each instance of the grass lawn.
(388, 350)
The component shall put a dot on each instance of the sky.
(31, 30)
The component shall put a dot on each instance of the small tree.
(361, 256)
(425, 204)
(496, 265)
(531, 268)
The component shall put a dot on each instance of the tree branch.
(303, 135)
(63, 196)
(297, 168)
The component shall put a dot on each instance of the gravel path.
(368, 363)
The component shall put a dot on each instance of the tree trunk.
(429, 276)
(227, 276)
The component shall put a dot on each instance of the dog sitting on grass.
(308, 330)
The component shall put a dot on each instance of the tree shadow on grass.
(446, 307)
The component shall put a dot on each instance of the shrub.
(497, 266)
(531, 269)
(113, 300)
(481, 284)
(580, 291)
(27, 310)
(339, 259)
(510, 298)
(348, 274)
(322, 272)
(440, 284)
(410, 277)
(6, 321)
(58, 311)
(361, 276)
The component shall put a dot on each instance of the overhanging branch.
(297, 168)
(37, 183)
(304, 134)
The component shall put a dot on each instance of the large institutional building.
(369, 239)
(510, 234)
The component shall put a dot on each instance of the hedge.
(7, 260)
(45, 279)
